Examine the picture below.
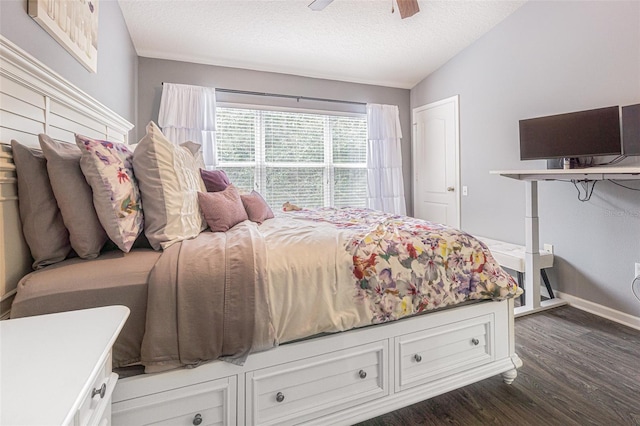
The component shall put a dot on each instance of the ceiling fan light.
(318, 5)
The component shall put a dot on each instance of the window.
(311, 160)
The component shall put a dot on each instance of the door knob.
(450, 188)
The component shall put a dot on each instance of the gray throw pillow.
(42, 224)
(74, 197)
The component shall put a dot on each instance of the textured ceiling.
(350, 40)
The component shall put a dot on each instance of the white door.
(436, 162)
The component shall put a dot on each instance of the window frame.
(260, 164)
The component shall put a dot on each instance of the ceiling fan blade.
(317, 5)
(407, 8)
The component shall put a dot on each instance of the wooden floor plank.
(579, 369)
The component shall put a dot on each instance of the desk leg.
(532, 244)
(532, 257)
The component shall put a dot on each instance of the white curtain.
(188, 113)
(384, 160)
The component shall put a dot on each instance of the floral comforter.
(401, 265)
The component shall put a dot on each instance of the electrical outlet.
(637, 274)
(548, 247)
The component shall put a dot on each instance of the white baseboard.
(601, 311)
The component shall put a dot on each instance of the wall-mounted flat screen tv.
(589, 133)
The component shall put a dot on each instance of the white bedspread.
(311, 285)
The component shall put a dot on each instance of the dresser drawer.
(305, 389)
(204, 404)
(429, 355)
(98, 399)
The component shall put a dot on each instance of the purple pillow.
(223, 209)
(214, 180)
(257, 208)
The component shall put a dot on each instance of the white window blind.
(308, 159)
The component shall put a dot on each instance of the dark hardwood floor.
(579, 369)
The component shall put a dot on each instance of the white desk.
(532, 255)
(54, 367)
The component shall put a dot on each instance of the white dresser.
(56, 369)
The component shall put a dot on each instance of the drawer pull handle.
(362, 374)
(197, 419)
(279, 397)
(101, 391)
(475, 341)
(417, 357)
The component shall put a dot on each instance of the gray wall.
(115, 83)
(152, 72)
(549, 58)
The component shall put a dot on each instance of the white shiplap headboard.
(34, 99)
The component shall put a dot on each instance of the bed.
(310, 352)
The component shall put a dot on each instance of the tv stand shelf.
(532, 255)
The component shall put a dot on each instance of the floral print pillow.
(108, 168)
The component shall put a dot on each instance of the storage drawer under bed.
(306, 389)
(431, 354)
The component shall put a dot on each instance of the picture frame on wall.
(73, 24)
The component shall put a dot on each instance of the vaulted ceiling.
(350, 40)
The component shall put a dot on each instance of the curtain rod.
(277, 95)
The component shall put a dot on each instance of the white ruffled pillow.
(169, 181)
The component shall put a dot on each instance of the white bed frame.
(337, 379)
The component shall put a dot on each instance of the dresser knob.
(362, 374)
(475, 341)
(101, 391)
(279, 397)
(197, 419)
(417, 357)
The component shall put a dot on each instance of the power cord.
(585, 186)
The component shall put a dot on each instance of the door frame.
(456, 105)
